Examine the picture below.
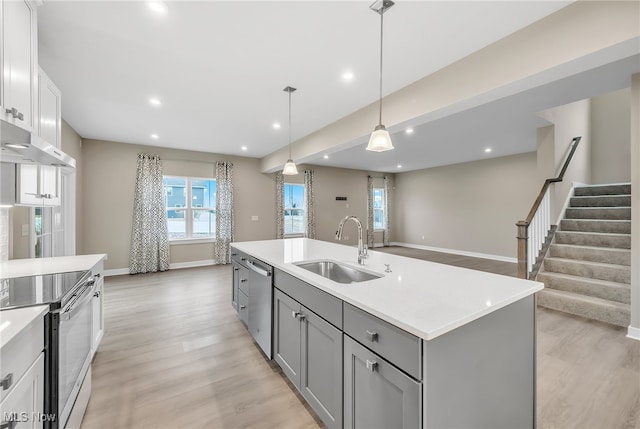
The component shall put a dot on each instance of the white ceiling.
(219, 68)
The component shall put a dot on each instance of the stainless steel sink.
(338, 272)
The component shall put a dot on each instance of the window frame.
(285, 207)
(189, 210)
(381, 209)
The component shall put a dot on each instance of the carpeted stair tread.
(591, 307)
(607, 255)
(596, 225)
(619, 189)
(596, 270)
(603, 213)
(613, 291)
(601, 201)
(597, 239)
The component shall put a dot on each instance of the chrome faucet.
(362, 251)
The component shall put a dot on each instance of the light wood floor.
(174, 355)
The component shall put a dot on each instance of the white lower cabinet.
(97, 306)
(309, 351)
(23, 406)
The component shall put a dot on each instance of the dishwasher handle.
(257, 269)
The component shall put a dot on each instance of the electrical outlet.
(25, 229)
(423, 237)
(346, 237)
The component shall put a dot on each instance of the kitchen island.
(424, 345)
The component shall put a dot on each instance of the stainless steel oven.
(68, 332)
(70, 350)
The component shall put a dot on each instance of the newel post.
(523, 237)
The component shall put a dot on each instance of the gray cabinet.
(376, 393)
(240, 286)
(309, 351)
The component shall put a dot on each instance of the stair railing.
(533, 232)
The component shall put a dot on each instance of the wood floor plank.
(174, 354)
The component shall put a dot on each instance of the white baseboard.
(633, 333)
(458, 252)
(174, 266)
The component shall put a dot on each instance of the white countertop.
(59, 264)
(14, 321)
(424, 298)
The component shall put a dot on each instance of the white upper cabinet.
(19, 59)
(49, 110)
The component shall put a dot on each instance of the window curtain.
(370, 242)
(387, 230)
(224, 213)
(149, 236)
(308, 203)
(279, 205)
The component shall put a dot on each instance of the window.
(191, 207)
(378, 208)
(294, 216)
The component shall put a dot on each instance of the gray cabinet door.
(234, 286)
(321, 372)
(377, 394)
(286, 335)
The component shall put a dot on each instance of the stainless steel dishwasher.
(260, 303)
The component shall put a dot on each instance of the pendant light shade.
(290, 168)
(380, 139)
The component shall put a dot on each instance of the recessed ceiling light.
(409, 131)
(326, 157)
(155, 101)
(488, 150)
(348, 76)
(276, 125)
(399, 165)
(158, 7)
(155, 136)
(244, 148)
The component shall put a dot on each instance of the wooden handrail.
(523, 225)
(548, 182)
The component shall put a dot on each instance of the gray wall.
(471, 207)
(610, 137)
(72, 145)
(108, 182)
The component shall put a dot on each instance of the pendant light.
(380, 139)
(290, 167)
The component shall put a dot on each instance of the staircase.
(587, 269)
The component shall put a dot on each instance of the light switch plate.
(254, 217)
(25, 229)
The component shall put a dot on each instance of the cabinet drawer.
(243, 280)
(239, 257)
(323, 304)
(243, 308)
(18, 355)
(399, 347)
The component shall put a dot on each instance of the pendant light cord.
(380, 100)
(290, 124)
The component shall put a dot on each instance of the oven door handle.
(68, 312)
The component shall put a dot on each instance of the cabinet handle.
(372, 336)
(297, 315)
(242, 307)
(97, 294)
(243, 280)
(6, 381)
(236, 269)
(15, 114)
(8, 425)
(372, 365)
(234, 254)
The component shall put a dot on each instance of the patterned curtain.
(149, 235)
(224, 213)
(308, 203)
(279, 205)
(387, 228)
(370, 242)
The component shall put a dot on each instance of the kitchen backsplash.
(4, 234)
